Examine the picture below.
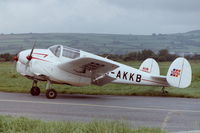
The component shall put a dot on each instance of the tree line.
(162, 55)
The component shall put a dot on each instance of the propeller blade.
(29, 57)
(33, 48)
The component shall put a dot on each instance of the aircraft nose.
(19, 55)
(22, 57)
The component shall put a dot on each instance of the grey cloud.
(99, 16)
(169, 5)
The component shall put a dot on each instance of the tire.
(51, 94)
(35, 91)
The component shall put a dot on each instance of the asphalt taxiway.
(171, 114)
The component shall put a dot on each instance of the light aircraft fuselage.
(64, 65)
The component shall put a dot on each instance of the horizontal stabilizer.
(160, 79)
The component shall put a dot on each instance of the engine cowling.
(24, 57)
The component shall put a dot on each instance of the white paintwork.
(184, 74)
(150, 66)
(86, 69)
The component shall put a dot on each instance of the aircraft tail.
(150, 66)
(179, 73)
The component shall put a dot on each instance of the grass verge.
(10, 81)
(9, 124)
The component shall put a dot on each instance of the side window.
(56, 50)
(70, 53)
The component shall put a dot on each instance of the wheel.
(51, 94)
(35, 91)
(164, 93)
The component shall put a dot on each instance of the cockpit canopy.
(56, 50)
(59, 50)
(70, 52)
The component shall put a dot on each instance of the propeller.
(29, 57)
(15, 59)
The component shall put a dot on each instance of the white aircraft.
(63, 65)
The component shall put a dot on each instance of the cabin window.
(70, 53)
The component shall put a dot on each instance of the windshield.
(70, 52)
(56, 50)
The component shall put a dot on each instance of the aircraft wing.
(88, 67)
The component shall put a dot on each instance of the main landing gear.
(164, 92)
(35, 91)
(50, 93)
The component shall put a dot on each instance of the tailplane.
(179, 73)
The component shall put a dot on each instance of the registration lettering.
(128, 76)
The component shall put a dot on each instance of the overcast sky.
(99, 16)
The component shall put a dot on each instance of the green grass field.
(10, 124)
(10, 81)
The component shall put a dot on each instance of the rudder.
(179, 73)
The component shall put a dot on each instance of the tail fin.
(150, 66)
(179, 73)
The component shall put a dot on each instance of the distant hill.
(188, 42)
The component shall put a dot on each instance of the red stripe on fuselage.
(39, 59)
(45, 55)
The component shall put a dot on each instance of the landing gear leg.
(50, 93)
(35, 91)
(164, 92)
